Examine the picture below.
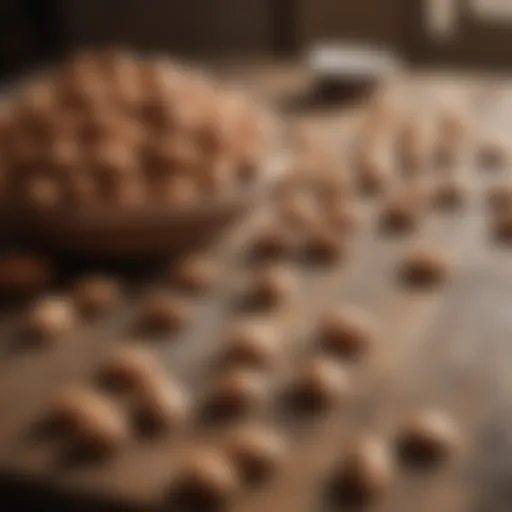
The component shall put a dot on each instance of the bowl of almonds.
(121, 154)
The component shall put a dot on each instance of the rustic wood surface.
(447, 347)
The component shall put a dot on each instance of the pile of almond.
(113, 130)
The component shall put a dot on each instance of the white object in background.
(350, 61)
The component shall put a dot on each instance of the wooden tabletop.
(445, 347)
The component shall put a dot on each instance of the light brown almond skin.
(195, 274)
(428, 436)
(400, 213)
(202, 143)
(371, 175)
(324, 245)
(493, 154)
(96, 294)
(366, 471)
(250, 344)
(273, 284)
(449, 194)
(161, 403)
(424, 266)
(93, 421)
(42, 193)
(502, 226)
(499, 198)
(347, 333)
(235, 392)
(342, 217)
(49, 318)
(319, 384)
(256, 451)
(163, 312)
(128, 367)
(273, 241)
(206, 477)
(298, 209)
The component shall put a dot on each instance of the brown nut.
(220, 177)
(453, 129)
(154, 76)
(413, 160)
(23, 274)
(342, 217)
(93, 421)
(319, 384)
(206, 480)
(331, 188)
(272, 241)
(415, 145)
(454, 123)
(96, 130)
(50, 318)
(96, 294)
(160, 403)
(366, 472)
(83, 93)
(22, 153)
(399, 214)
(255, 451)
(214, 133)
(37, 100)
(161, 311)
(42, 193)
(112, 163)
(81, 191)
(194, 273)
(502, 227)
(424, 267)
(176, 190)
(124, 193)
(128, 367)
(272, 285)
(251, 345)
(427, 437)
(493, 154)
(499, 198)
(237, 391)
(371, 175)
(112, 60)
(449, 194)
(324, 245)
(347, 333)
(63, 156)
(298, 209)
(179, 156)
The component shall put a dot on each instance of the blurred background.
(474, 33)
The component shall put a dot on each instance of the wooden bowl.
(138, 232)
(348, 72)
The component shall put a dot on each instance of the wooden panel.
(192, 26)
(362, 20)
(477, 41)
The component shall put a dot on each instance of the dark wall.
(376, 21)
(189, 26)
(35, 28)
(477, 42)
(30, 32)
(232, 26)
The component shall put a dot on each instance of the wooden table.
(447, 348)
